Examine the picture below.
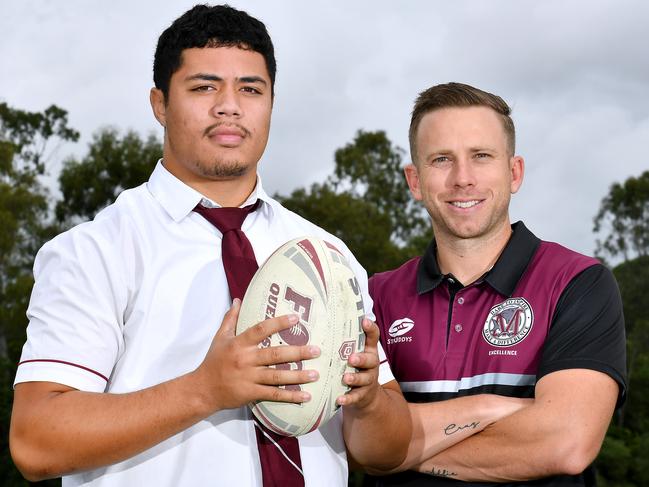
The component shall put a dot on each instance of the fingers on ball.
(283, 377)
(278, 394)
(283, 354)
(266, 328)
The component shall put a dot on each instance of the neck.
(469, 258)
(226, 191)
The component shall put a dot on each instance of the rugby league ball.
(311, 278)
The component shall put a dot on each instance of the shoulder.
(131, 205)
(111, 231)
(401, 278)
(558, 257)
(556, 266)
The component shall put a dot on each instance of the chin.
(466, 231)
(223, 169)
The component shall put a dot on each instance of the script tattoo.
(441, 472)
(454, 428)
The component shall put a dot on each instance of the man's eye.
(250, 89)
(440, 159)
(482, 155)
(203, 88)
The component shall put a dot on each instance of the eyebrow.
(439, 152)
(447, 152)
(478, 148)
(213, 77)
(252, 79)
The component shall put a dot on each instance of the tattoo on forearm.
(454, 428)
(441, 472)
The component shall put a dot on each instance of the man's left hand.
(364, 382)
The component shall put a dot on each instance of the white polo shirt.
(133, 299)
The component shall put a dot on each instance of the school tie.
(279, 455)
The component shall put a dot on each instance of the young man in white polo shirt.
(127, 378)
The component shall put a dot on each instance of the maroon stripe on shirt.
(65, 363)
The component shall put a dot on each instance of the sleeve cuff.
(66, 373)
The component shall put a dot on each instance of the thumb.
(371, 334)
(229, 323)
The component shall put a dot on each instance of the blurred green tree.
(623, 218)
(26, 140)
(372, 168)
(113, 163)
(366, 202)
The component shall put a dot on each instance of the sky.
(574, 71)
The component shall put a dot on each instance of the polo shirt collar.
(503, 276)
(428, 274)
(179, 200)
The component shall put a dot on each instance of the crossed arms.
(483, 438)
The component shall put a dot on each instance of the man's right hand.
(236, 371)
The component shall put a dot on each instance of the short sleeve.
(74, 336)
(587, 329)
(385, 372)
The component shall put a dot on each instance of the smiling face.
(464, 173)
(216, 116)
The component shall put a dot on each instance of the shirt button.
(458, 328)
(451, 280)
(460, 300)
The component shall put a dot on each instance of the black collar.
(503, 276)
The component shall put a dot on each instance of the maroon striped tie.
(281, 465)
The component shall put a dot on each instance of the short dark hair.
(210, 26)
(452, 95)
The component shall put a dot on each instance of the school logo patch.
(508, 323)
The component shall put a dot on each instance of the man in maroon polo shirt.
(491, 315)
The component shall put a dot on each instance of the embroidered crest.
(508, 323)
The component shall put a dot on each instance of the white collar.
(179, 200)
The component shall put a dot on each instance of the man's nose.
(227, 104)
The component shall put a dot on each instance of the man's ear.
(518, 172)
(412, 177)
(158, 105)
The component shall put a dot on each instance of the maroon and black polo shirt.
(540, 309)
